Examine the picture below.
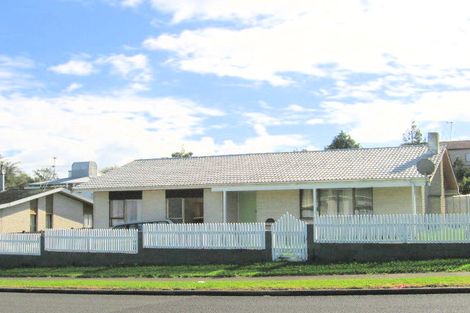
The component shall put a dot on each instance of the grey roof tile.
(265, 168)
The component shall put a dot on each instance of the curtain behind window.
(133, 210)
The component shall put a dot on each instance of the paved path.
(47, 303)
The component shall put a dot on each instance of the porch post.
(413, 198)
(314, 199)
(225, 206)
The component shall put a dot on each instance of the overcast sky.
(116, 80)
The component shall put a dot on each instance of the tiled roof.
(15, 196)
(457, 144)
(267, 168)
(12, 195)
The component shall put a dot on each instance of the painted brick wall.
(273, 204)
(67, 212)
(101, 209)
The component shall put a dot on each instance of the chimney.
(433, 142)
(2, 178)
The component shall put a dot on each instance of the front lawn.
(252, 270)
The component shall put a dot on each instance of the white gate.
(289, 239)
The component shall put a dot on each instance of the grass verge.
(251, 270)
(317, 284)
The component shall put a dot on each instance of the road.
(54, 303)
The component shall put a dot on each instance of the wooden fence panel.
(92, 240)
(397, 228)
(20, 244)
(205, 236)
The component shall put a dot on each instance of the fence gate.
(289, 239)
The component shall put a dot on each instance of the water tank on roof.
(84, 169)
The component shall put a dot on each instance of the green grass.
(350, 283)
(252, 270)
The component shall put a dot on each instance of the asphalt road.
(54, 303)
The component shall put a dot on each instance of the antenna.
(53, 165)
(451, 126)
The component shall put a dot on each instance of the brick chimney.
(433, 142)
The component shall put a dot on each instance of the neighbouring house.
(261, 186)
(32, 210)
(459, 149)
(80, 173)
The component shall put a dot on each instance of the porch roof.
(366, 164)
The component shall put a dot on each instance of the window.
(125, 207)
(49, 211)
(363, 201)
(185, 206)
(33, 216)
(345, 201)
(87, 216)
(306, 204)
(467, 157)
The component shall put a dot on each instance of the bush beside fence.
(92, 240)
(399, 228)
(249, 236)
(20, 244)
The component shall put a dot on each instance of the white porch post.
(413, 198)
(314, 199)
(225, 206)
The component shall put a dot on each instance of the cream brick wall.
(15, 219)
(273, 204)
(67, 212)
(101, 209)
(396, 200)
(213, 206)
(153, 205)
(41, 214)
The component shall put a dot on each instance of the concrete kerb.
(246, 293)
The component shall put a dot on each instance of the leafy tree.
(108, 169)
(44, 174)
(413, 135)
(462, 174)
(343, 141)
(14, 177)
(182, 154)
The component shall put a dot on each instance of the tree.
(182, 154)
(343, 141)
(413, 135)
(108, 169)
(14, 177)
(44, 174)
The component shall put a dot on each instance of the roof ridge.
(281, 152)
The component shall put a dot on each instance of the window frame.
(336, 194)
(33, 215)
(183, 196)
(123, 196)
(49, 211)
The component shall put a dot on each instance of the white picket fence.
(205, 236)
(92, 240)
(20, 244)
(289, 239)
(399, 228)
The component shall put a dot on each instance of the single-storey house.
(261, 186)
(33, 210)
